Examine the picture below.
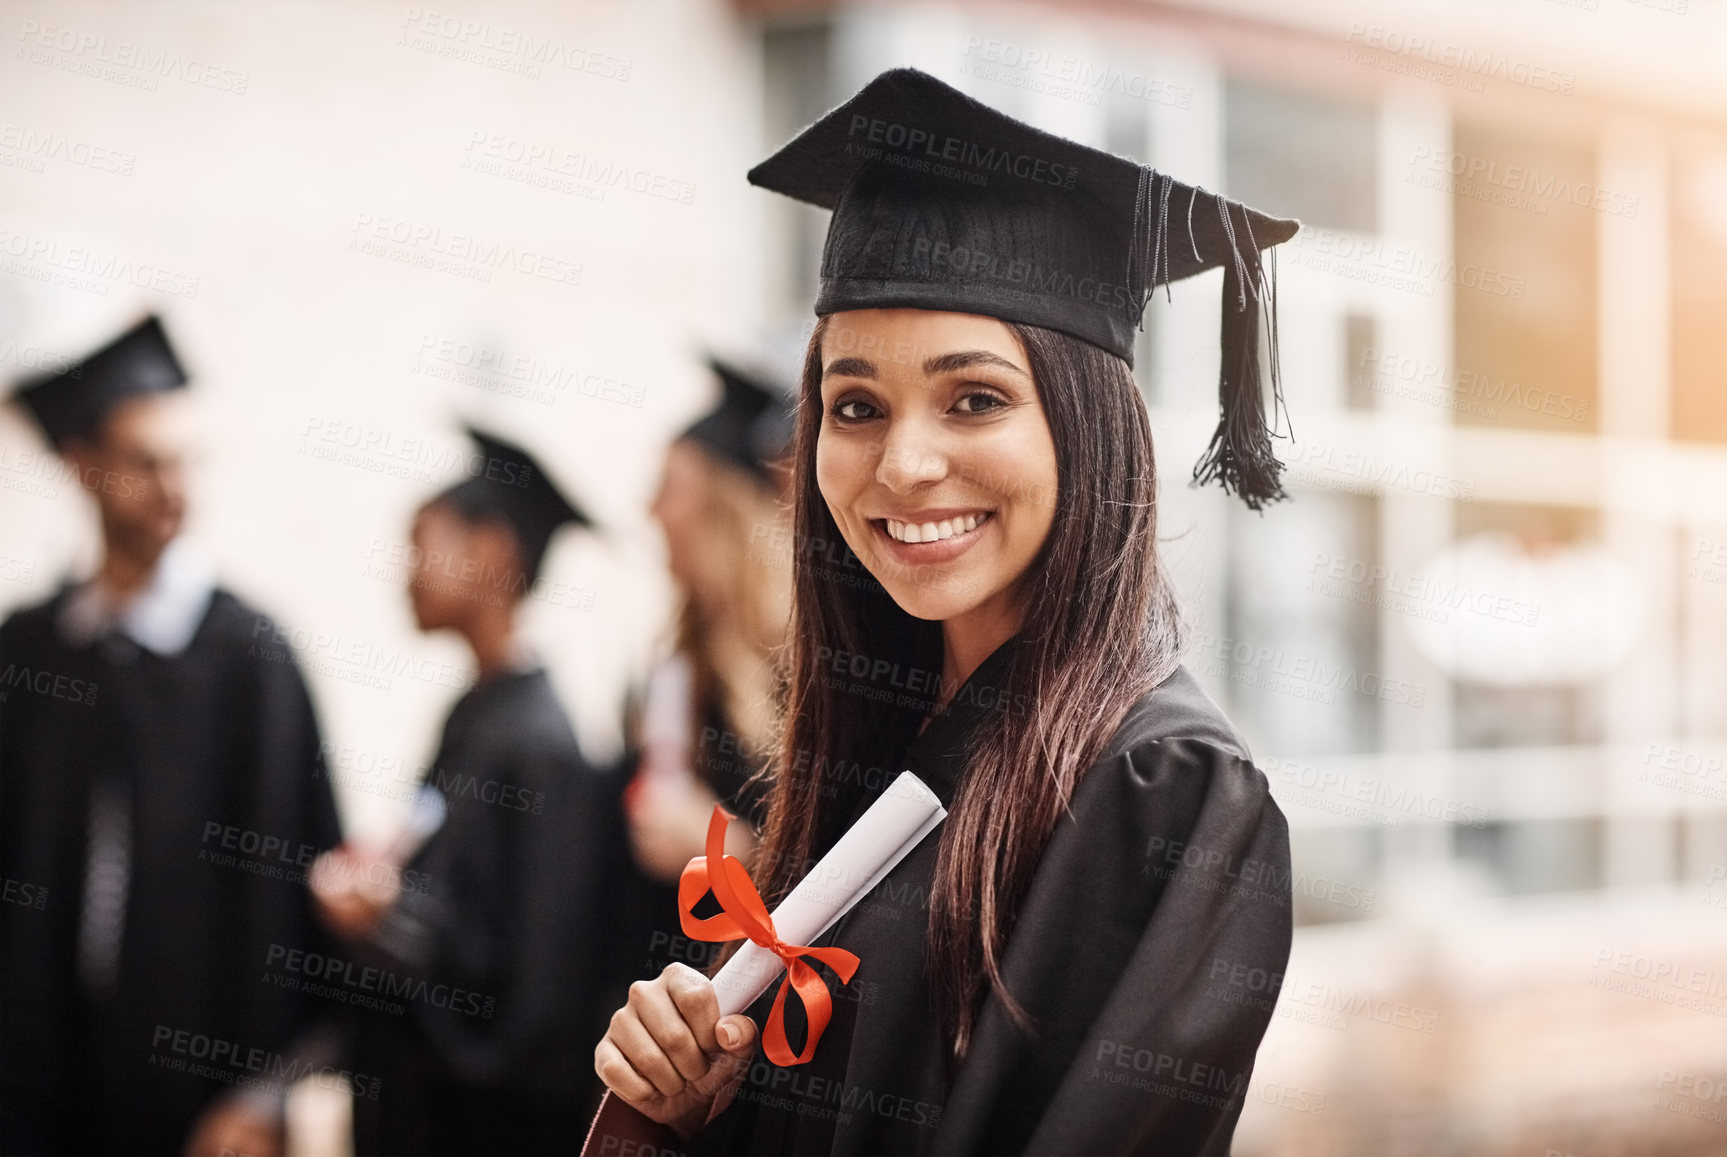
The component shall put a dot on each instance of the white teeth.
(933, 531)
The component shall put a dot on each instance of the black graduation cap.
(72, 405)
(941, 202)
(507, 485)
(750, 427)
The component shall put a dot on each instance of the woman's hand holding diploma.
(670, 1055)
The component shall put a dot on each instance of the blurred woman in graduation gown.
(1048, 971)
(498, 940)
(704, 723)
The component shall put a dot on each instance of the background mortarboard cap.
(508, 485)
(72, 405)
(751, 425)
(941, 202)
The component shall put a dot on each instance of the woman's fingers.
(644, 1053)
(619, 1075)
(737, 1034)
(659, 1045)
(696, 1001)
(664, 1021)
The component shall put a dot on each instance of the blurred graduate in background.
(705, 720)
(502, 939)
(148, 728)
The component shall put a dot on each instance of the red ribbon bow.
(742, 913)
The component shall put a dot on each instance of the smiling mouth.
(941, 531)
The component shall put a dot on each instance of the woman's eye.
(852, 410)
(980, 402)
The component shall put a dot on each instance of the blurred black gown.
(1173, 869)
(202, 754)
(508, 925)
(651, 937)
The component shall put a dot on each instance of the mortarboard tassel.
(1240, 455)
(1150, 240)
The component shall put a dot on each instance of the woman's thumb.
(737, 1033)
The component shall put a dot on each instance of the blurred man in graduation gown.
(493, 1053)
(160, 786)
(706, 716)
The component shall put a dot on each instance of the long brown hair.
(1100, 629)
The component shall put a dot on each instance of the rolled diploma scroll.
(883, 836)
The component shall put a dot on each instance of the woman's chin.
(921, 602)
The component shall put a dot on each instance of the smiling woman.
(1050, 970)
(940, 471)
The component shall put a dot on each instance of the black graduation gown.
(219, 751)
(1172, 871)
(653, 936)
(506, 922)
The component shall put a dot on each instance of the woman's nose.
(911, 456)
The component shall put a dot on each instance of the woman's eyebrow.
(969, 359)
(851, 368)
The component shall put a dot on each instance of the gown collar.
(163, 617)
(939, 755)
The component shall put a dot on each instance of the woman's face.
(678, 508)
(456, 566)
(935, 457)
